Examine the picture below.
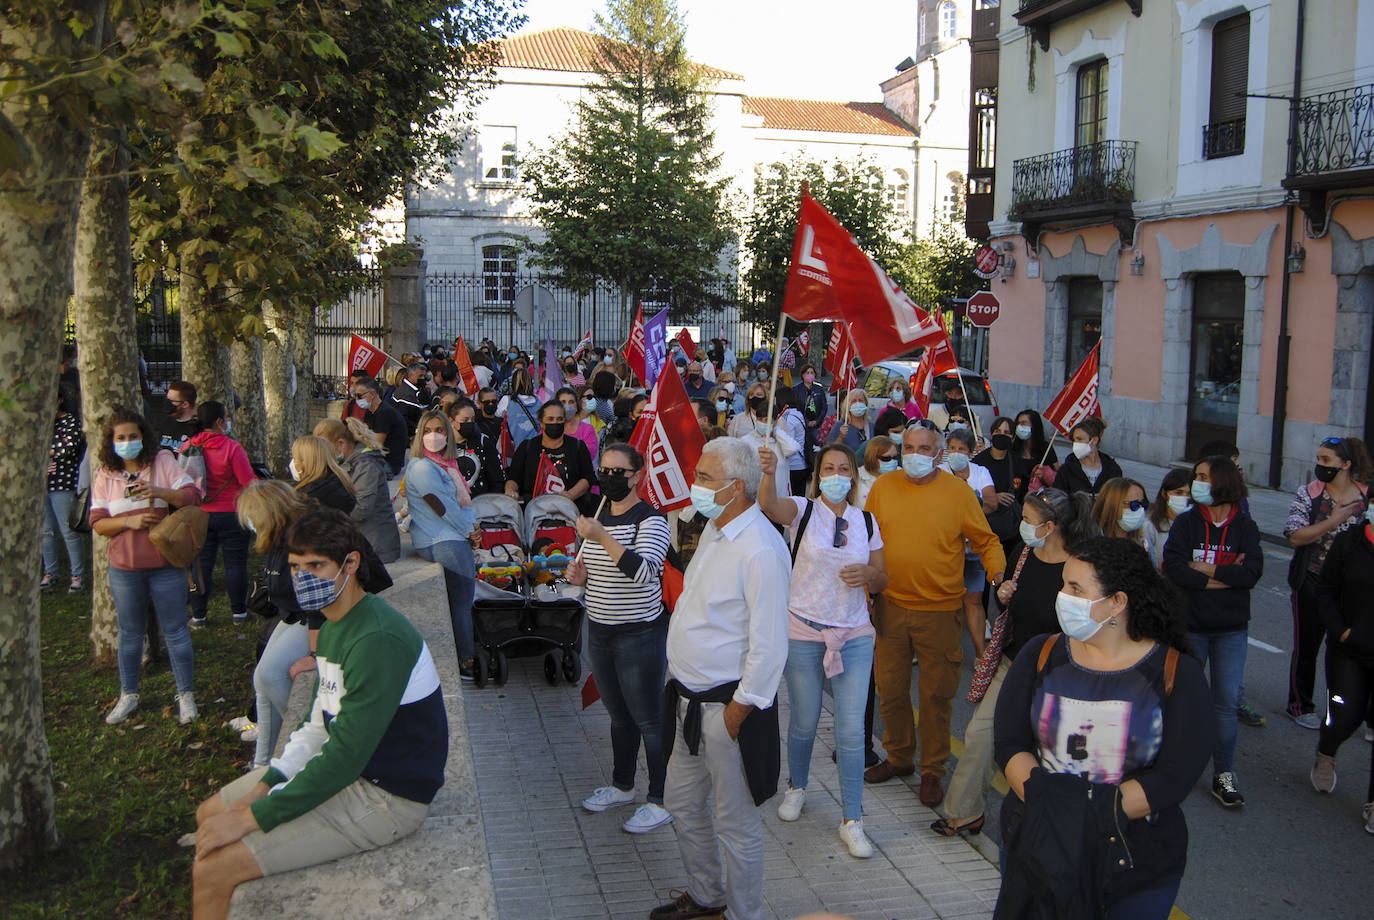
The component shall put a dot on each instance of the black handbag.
(1006, 522)
(79, 517)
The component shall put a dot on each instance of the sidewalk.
(537, 754)
(1268, 507)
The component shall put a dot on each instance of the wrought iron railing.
(1223, 139)
(1091, 174)
(1335, 132)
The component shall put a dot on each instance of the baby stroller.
(555, 607)
(498, 607)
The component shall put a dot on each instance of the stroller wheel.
(572, 667)
(480, 671)
(501, 670)
(551, 669)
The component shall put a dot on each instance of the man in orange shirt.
(929, 515)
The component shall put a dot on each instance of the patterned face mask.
(314, 592)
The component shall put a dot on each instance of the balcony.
(1333, 149)
(1040, 15)
(1223, 139)
(1081, 184)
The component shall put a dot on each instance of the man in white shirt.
(727, 644)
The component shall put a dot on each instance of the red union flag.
(831, 278)
(689, 347)
(546, 477)
(670, 438)
(804, 342)
(937, 359)
(839, 359)
(364, 356)
(583, 344)
(1078, 399)
(634, 348)
(465, 371)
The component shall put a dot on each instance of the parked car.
(876, 381)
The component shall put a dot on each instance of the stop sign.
(983, 308)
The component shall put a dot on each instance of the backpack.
(1170, 662)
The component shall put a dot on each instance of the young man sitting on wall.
(361, 770)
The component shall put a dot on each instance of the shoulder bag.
(986, 666)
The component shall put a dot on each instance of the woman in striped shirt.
(621, 565)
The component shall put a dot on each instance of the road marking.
(1265, 646)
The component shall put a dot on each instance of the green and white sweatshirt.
(378, 715)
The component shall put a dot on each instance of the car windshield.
(975, 391)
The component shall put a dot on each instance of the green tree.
(848, 191)
(941, 266)
(632, 194)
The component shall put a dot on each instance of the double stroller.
(524, 605)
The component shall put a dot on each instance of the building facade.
(1146, 194)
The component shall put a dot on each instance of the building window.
(984, 128)
(897, 191)
(1090, 110)
(1224, 135)
(498, 275)
(952, 202)
(1085, 321)
(1215, 362)
(949, 20)
(498, 153)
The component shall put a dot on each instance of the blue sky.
(840, 49)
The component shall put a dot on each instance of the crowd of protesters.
(1084, 595)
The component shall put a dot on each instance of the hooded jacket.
(1233, 546)
(227, 470)
(372, 512)
(1071, 478)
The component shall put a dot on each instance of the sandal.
(945, 828)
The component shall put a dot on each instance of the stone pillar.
(403, 305)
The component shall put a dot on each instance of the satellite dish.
(533, 302)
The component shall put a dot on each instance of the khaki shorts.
(361, 817)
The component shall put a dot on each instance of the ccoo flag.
(634, 347)
(670, 438)
(1078, 399)
(364, 356)
(831, 278)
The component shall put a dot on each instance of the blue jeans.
(630, 663)
(1155, 904)
(288, 643)
(57, 510)
(224, 530)
(166, 588)
(1224, 656)
(805, 675)
(460, 581)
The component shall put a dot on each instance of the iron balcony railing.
(1335, 132)
(1092, 174)
(1223, 139)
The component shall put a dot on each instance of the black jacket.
(1071, 478)
(410, 403)
(1234, 547)
(330, 491)
(388, 425)
(1344, 592)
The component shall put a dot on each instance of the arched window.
(498, 274)
(949, 20)
(898, 188)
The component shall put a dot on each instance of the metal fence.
(478, 306)
(363, 313)
(1335, 131)
(157, 327)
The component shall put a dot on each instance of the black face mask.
(695, 378)
(553, 430)
(1326, 473)
(489, 408)
(467, 431)
(617, 488)
(1002, 441)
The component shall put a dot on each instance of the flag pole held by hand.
(583, 543)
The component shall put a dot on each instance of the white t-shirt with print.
(817, 593)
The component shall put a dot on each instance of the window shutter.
(1230, 68)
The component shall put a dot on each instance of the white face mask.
(898, 397)
(1131, 521)
(294, 470)
(1075, 616)
(1023, 432)
(1081, 449)
(917, 466)
(1179, 503)
(1028, 536)
(957, 462)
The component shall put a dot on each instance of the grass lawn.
(125, 793)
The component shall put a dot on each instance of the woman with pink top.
(900, 397)
(837, 562)
(131, 492)
(227, 473)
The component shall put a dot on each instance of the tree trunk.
(204, 359)
(37, 224)
(277, 349)
(250, 421)
(106, 340)
(303, 361)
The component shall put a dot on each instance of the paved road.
(1289, 852)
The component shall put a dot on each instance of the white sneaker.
(249, 734)
(1308, 720)
(647, 817)
(790, 808)
(240, 723)
(1368, 733)
(852, 833)
(128, 702)
(186, 708)
(608, 797)
(1368, 813)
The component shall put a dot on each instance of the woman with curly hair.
(1104, 728)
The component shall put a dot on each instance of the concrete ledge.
(442, 871)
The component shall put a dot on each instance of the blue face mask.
(364, 404)
(917, 466)
(835, 488)
(704, 501)
(887, 466)
(1131, 521)
(314, 592)
(1028, 536)
(1369, 514)
(721, 405)
(128, 450)
(957, 462)
(858, 410)
(1202, 493)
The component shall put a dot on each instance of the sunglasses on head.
(925, 423)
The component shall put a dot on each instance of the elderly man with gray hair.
(727, 644)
